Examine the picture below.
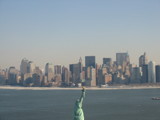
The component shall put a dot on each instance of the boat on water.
(155, 98)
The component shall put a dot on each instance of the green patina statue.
(78, 112)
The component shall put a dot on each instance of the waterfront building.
(13, 76)
(157, 73)
(37, 79)
(91, 79)
(75, 70)
(145, 73)
(65, 76)
(151, 72)
(28, 81)
(136, 75)
(57, 80)
(49, 71)
(3, 76)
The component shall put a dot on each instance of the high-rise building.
(157, 73)
(65, 76)
(57, 69)
(31, 67)
(91, 79)
(24, 66)
(49, 71)
(13, 76)
(2, 77)
(81, 64)
(122, 58)
(151, 72)
(107, 61)
(143, 60)
(75, 70)
(136, 75)
(90, 61)
(144, 73)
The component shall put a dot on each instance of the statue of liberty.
(78, 112)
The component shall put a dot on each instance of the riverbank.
(117, 87)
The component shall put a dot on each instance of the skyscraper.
(107, 61)
(24, 66)
(49, 71)
(122, 58)
(57, 69)
(151, 72)
(143, 60)
(157, 73)
(65, 76)
(90, 61)
(136, 75)
(75, 70)
(13, 76)
(91, 77)
(31, 67)
(144, 73)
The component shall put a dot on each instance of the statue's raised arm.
(78, 112)
(82, 96)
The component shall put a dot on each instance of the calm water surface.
(98, 104)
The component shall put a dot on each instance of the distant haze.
(62, 31)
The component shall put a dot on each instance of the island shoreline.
(121, 87)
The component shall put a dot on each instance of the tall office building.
(107, 61)
(65, 76)
(143, 60)
(81, 64)
(144, 73)
(90, 61)
(2, 77)
(31, 67)
(122, 58)
(13, 76)
(136, 75)
(49, 71)
(151, 72)
(157, 73)
(75, 70)
(57, 69)
(24, 66)
(91, 77)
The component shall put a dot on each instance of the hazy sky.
(60, 31)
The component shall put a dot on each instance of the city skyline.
(62, 31)
(100, 62)
(83, 61)
(121, 71)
